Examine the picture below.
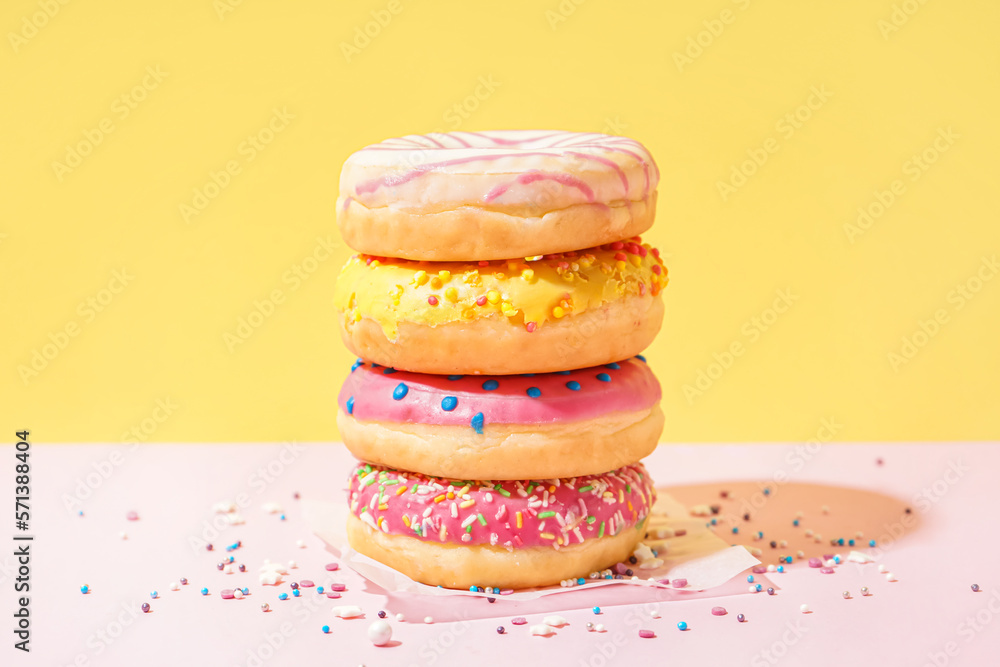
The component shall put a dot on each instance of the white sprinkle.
(771, 568)
(301, 544)
(825, 509)
(400, 618)
(882, 568)
(174, 586)
(347, 611)
(123, 535)
(224, 507)
(599, 627)
(654, 614)
(428, 619)
(271, 508)
(542, 630)
(234, 519)
(752, 588)
(889, 576)
(555, 621)
(292, 565)
(379, 633)
(804, 609)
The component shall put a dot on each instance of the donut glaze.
(374, 393)
(508, 514)
(528, 293)
(470, 195)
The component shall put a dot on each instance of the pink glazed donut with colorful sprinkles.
(568, 423)
(502, 534)
(469, 196)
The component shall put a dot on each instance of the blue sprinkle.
(448, 403)
(612, 366)
(795, 523)
(282, 517)
(871, 543)
(640, 358)
(767, 490)
(604, 377)
(455, 377)
(840, 542)
(326, 629)
(534, 392)
(490, 385)
(563, 372)
(759, 588)
(281, 596)
(714, 521)
(400, 391)
(355, 365)
(736, 529)
(781, 568)
(473, 589)
(850, 543)
(319, 589)
(574, 385)
(296, 593)
(245, 590)
(204, 591)
(350, 405)
(749, 578)
(682, 626)
(596, 610)
(581, 581)
(388, 371)
(527, 375)
(477, 422)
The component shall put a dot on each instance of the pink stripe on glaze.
(553, 513)
(531, 177)
(368, 395)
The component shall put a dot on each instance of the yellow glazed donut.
(467, 196)
(535, 315)
(511, 534)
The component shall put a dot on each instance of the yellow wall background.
(122, 299)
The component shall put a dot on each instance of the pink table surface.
(929, 616)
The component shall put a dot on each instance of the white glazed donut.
(495, 195)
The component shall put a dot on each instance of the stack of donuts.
(498, 304)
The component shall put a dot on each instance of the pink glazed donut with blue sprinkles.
(504, 427)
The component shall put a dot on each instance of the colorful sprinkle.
(449, 403)
(400, 391)
(534, 392)
(477, 422)
(573, 385)
(604, 377)
(490, 385)
(682, 626)
(350, 405)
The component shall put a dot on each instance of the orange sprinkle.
(400, 490)
(440, 498)
(406, 521)
(547, 536)
(520, 524)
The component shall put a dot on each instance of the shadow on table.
(784, 519)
